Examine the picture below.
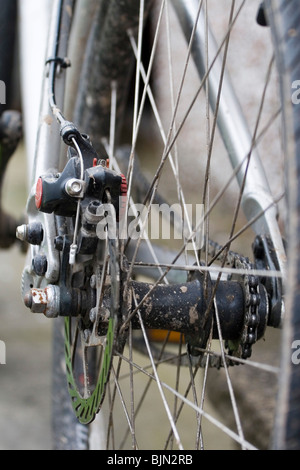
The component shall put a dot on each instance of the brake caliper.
(80, 197)
(59, 193)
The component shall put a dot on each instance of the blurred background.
(25, 379)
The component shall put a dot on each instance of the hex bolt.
(93, 206)
(74, 187)
(90, 214)
(46, 301)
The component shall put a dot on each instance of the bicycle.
(91, 280)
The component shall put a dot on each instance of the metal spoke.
(187, 394)
(164, 137)
(166, 406)
(199, 438)
(206, 415)
(229, 383)
(124, 407)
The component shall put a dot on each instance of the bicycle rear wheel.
(284, 17)
(175, 370)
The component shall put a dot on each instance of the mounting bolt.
(32, 233)
(59, 243)
(40, 264)
(74, 187)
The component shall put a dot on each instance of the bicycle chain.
(234, 260)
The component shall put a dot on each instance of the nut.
(93, 314)
(46, 301)
(39, 300)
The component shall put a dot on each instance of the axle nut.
(46, 301)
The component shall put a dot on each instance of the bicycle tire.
(284, 17)
(280, 21)
(67, 432)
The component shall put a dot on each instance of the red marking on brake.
(39, 193)
(123, 198)
(123, 186)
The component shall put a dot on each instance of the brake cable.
(68, 131)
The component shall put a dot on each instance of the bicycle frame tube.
(256, 197)
(32, 44)
(47, 145)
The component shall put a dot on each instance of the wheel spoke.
(136, 315)
(168, 411)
